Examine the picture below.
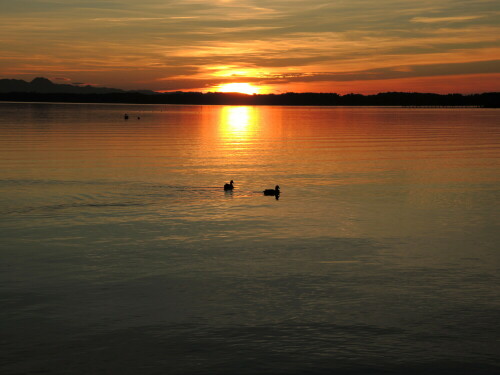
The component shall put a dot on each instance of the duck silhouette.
(275, 191)
(229, 186)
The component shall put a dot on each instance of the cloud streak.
(444, 19)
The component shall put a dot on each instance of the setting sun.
(243, 88)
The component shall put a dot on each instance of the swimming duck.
(275, 191)
(229, 186)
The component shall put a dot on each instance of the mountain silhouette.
(45, 86)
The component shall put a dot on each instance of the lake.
(122, 254)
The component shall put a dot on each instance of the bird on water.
(229, 186)
(275, 191)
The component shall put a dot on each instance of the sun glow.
(243, 88)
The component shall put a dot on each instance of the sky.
(343, 46)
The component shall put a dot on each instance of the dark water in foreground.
(121, 254)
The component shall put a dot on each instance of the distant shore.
(402, 99)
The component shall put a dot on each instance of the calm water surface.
(121, 253)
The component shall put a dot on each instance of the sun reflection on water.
(237, 122)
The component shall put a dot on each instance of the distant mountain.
(46, 86)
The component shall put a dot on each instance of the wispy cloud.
(444, 19)
(141, 19)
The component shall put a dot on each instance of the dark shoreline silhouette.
(485, 100)
(43, 90)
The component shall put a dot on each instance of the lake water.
(122, 254)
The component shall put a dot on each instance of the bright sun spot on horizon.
(243, 88)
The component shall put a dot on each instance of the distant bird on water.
(275, 191)
(229, 186)
(125, 116)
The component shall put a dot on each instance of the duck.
(229, 186)
(275, 191)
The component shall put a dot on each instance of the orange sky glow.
(256, 46)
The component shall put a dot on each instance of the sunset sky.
(363, 46)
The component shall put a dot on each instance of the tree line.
(488, 100)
